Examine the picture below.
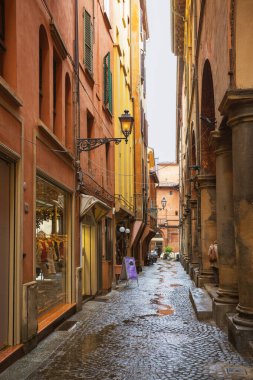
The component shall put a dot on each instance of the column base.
(195, 275)
(239, 336)
(205, 278)
(220, 311)
(192, 266)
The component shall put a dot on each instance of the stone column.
(194, 258)
(227, 294)
(237, 105)
(208, 225)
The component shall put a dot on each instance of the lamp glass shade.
(127, 231)
(126, 123)
(122, 229)
(163, 202)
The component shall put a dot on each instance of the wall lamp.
(163, 202)
(195, 167)
(126, 124)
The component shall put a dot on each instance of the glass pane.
(51, 245)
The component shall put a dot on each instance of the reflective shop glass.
(51, 245)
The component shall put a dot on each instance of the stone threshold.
(202, 303)
(49, 321)
(9, 355)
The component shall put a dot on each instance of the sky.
(161, 82)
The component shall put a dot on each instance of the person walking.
(213, 260)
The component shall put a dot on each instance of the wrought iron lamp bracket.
(85, 145)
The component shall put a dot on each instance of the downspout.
(77, 129)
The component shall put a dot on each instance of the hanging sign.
(128, 271)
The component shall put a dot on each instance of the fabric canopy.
(87, 202)
(136, 232)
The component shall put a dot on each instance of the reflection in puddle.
(167, 311)
(175, 285)
(163, 309)
(92, 341)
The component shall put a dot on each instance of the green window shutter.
(110, 92)
(107, 82)
(88, 42)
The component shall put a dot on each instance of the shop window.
(108, 239)
(44, 83)
(6, 226)
(68, 113)
(51, 245)
(2, 34)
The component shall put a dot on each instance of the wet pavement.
(145, 332)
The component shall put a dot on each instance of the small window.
(176, 213)
(2, 21)
(171, 193)
(88, 42)
(107, 83)
(107, 8)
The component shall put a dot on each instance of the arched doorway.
(207, 177)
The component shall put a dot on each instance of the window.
(2, 34)
(107, 8)
(44, 87)
(171, 193)
(108, 239)
(176, 213)
(52, 212)
(57, 96)
(88, 42)
(68, 113)
(2, 21)
(107, 83)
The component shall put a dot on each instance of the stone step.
(211, 290)
(202, 303)
(251, 348)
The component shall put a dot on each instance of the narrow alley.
(136, 332)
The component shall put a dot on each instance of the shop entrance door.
(89, 257)
(99, 250)
(5, 205)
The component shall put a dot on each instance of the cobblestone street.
(137, 333)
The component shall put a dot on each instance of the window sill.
(89, 77)
(51, 136)
(10, 93)
(107, 113)
(107, 21)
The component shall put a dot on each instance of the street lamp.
(163, 202)
(126, 124)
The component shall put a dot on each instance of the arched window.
(68, 113)
(44, 83)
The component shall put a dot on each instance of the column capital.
(221, 141)
(206, 181)
(237, 105)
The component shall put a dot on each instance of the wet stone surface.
(145, 332)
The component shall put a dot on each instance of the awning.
(87, 202)
(148, 234)
(158, 239)
(136, 232)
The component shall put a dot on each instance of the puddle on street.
(91, 342)
(167, 311)
(163, 309)
(174, 285)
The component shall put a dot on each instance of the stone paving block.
(148, 332)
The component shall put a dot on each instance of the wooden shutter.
(107, 82)
(88, 43)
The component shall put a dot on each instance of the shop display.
(51, 245)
